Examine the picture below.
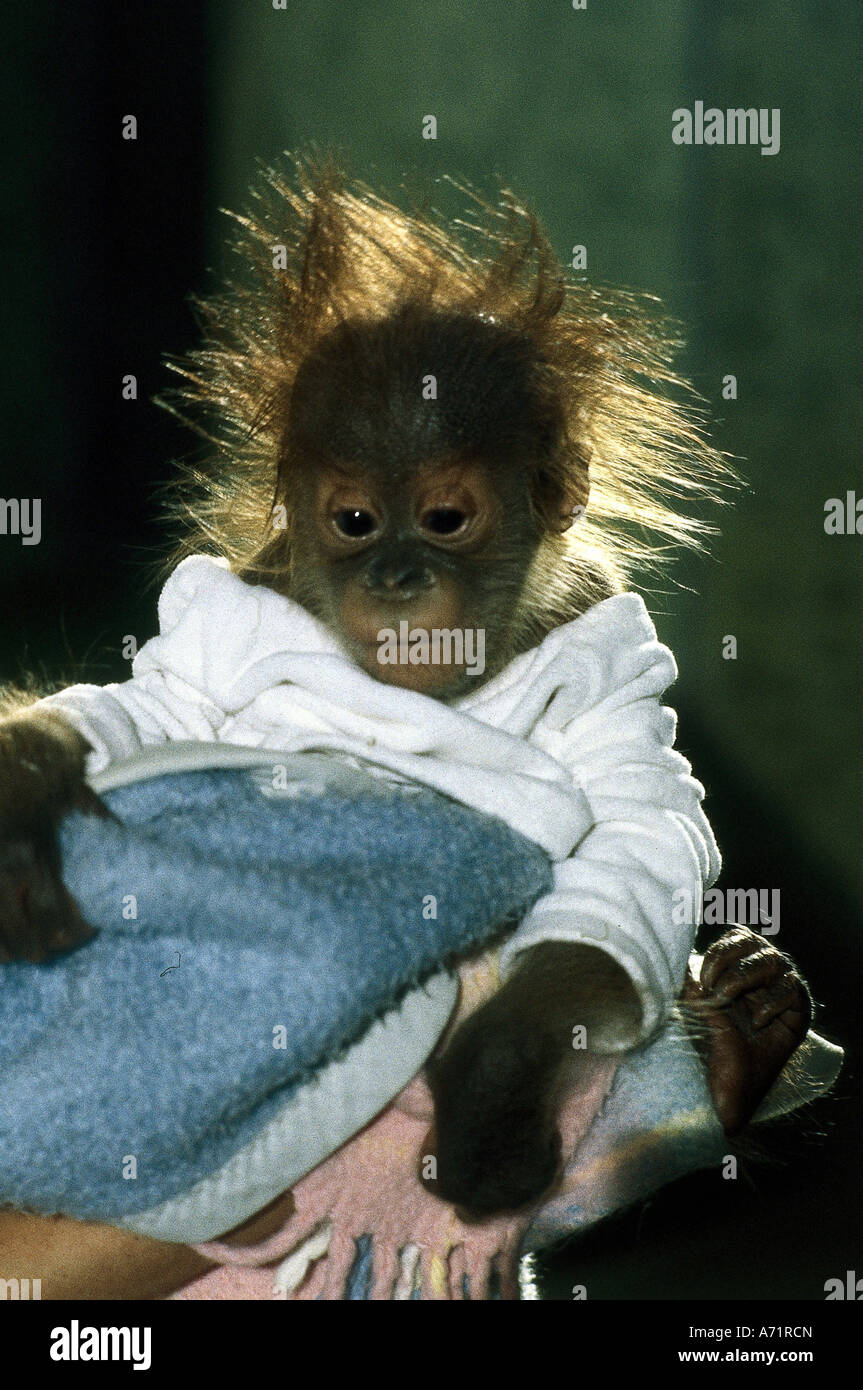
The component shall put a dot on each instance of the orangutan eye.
(443, 521)
(355, 522)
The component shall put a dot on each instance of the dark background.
(103, 239)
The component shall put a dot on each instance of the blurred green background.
(759, 256)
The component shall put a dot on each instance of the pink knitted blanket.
(369, 1187)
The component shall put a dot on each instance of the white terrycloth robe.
(570, 745)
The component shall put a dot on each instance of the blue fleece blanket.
(244, 942)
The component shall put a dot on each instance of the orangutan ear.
(569, 517)
(562, 511)
(560, 497)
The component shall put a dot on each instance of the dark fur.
(575, 380)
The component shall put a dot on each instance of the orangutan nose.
(398, 578)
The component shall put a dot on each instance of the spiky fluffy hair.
(318, 251)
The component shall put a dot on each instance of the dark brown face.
(410, 463)
(400, 559)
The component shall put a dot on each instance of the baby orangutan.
(417, 437)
